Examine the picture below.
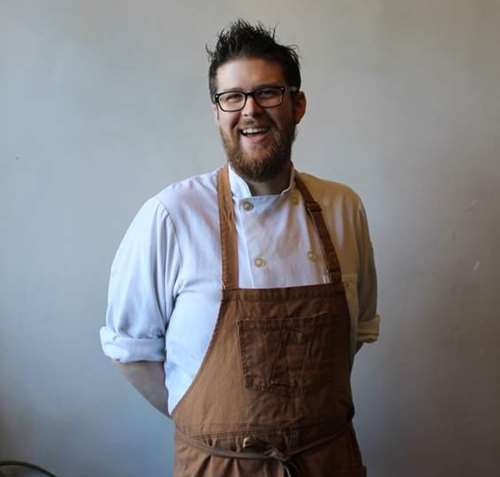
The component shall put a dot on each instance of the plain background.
(103, 103)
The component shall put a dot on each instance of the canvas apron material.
(272, 396)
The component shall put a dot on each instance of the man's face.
(258, 157)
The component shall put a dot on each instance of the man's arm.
(368, 319)
(140, 301)
(148, 377)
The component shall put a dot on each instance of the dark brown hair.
(243, 40)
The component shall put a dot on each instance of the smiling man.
(238, 298)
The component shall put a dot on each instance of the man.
(238, 298)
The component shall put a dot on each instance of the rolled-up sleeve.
(140, 294)
(368, 319)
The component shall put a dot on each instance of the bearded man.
(239, 298)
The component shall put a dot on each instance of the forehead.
(249, 73)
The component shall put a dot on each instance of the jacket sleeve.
(368, 319)
(140, 294)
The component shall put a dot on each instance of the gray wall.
(404, 105)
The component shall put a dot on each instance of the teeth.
(253, 130)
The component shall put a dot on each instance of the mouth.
(254, 133)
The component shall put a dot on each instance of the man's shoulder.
(190, 192)
(330, 193)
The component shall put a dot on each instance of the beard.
(263, 163)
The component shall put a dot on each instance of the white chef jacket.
(165, 284)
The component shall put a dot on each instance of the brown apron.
(272, 396)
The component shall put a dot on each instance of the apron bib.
(272, 396)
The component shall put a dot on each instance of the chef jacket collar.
(240, 189)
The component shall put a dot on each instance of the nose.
(251, 107)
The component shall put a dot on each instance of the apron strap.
(228, 237)
(314, 211)
(268, 452)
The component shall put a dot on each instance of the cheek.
(229, 130)
(282, 125)
(230, 120)
(282, 120)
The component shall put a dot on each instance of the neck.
(272, 186)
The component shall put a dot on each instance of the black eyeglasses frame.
(283, 89)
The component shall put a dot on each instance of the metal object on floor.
(23, 465)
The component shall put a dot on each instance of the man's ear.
(299, 106)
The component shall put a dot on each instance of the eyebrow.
(241, 90)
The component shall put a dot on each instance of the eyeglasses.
(266, 97)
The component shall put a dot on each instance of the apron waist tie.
(268, 452)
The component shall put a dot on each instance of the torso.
(273, 392)
(276, 230)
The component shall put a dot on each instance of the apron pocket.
(287, 355)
